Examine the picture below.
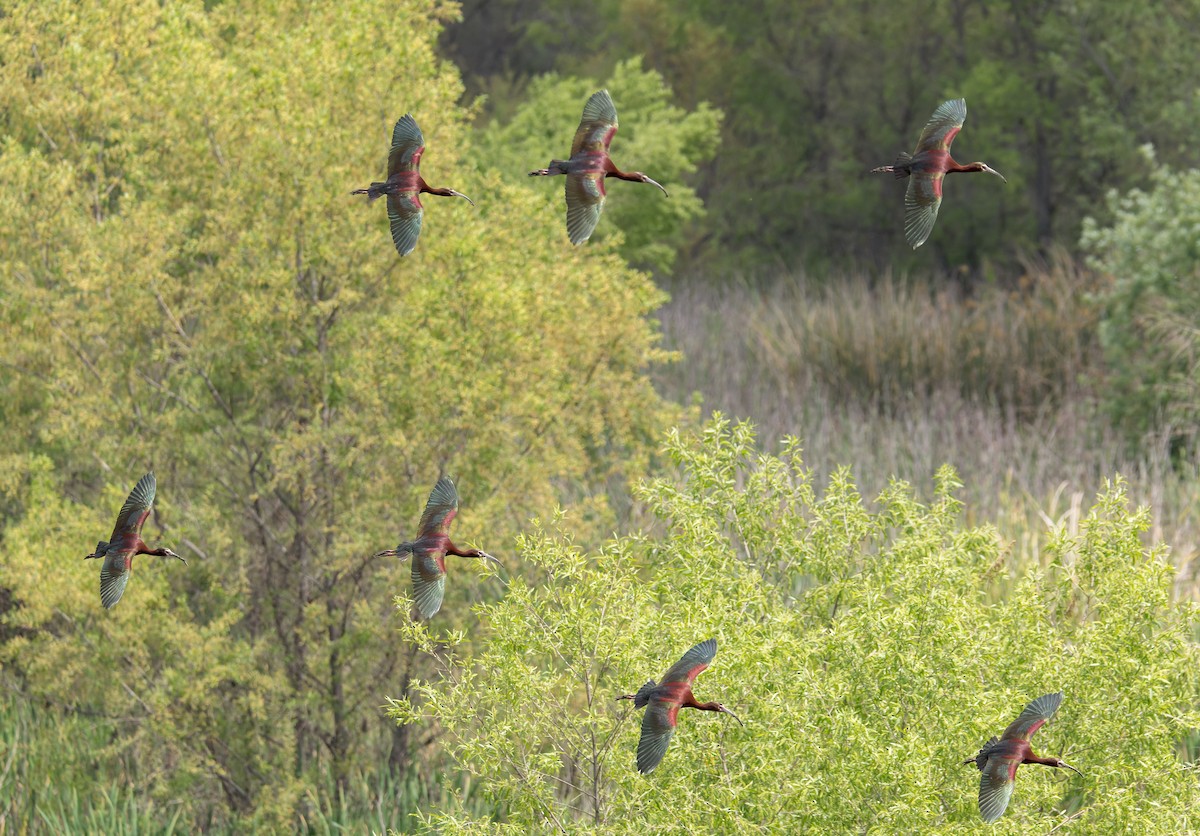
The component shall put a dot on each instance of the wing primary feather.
(407, 144)
(943, 125)
(1033, 717)
(692, 663)
(657, 730)
(440, 509)
(429, 584)
(135, 509)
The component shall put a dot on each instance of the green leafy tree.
(187, 285)
(865, 649)
(1152, 253)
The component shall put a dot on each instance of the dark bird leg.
(555, 167)
(403, 551)
(642, 696)
(901, 168)
(373, 191)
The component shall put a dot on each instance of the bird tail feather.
(643, 695)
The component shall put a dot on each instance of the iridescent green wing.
(441, 508)
(1033, 717)
(658, 724)
(407, 146)
(943, 126)
(996, 786)
(691, 663)
(404, 215)
(598, 126)
(114, 574)
(135, 510)
(429, 581)
(585, 202)
(921, 204)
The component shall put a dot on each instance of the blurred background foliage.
(187, 286)
(1060, 96)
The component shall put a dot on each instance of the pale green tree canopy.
(187, 285)
(864, 647)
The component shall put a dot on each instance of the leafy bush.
(864, 648)
(1151, 340)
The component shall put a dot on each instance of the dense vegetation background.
(185, 285)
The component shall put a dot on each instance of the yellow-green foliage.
(859, 644)
(187, 285)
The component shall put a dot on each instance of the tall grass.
(896, 376)
(54, 779)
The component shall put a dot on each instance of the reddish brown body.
(126, 540)
(927, 166)
(1015, 751)
(589, 165)
(935, 161)
(122, 557)
(999, 758)
(407, 182)
(437, 546)
(663, 701)
(432, 545)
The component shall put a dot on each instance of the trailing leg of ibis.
(555, 167)
(900, 169)
(373, 191)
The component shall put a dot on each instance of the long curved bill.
(463, 196)
(1073, 769)
(487, 556)
(660, 185)
(734, 716)
(998, 174)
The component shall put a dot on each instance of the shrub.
(1151, 341)
(861, 646)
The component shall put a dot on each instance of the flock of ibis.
(590, 165)
(586, 170)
